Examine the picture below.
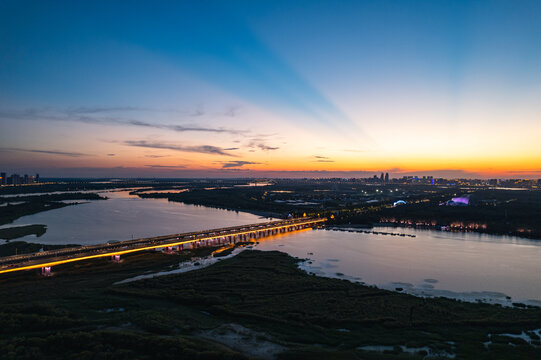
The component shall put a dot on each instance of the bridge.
(175, 242)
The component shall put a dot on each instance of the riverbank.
(21, 231)
(448, 228)
(23, 205)
(22, 247)
(238, 199)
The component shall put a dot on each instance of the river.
(469, 266)
(123, 217)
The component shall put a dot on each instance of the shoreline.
(438, 228)
(485, 297)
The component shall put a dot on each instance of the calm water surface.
(469, 266)
(124, 216)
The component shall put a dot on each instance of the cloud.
(204, 149)
(158, 156)
(167, 166)
(237, 164)
(266, 147)
(255, 143)
(232, 111)
(322, 159)
(197, 112)
(97, 109)
(51, 152)
(235, 170)
(180, 128)
(233, 148)
(111, 154)
(82, 115)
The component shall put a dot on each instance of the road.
(213, 237)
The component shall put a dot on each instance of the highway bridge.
(215, 237)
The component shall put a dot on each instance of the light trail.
(277, 225)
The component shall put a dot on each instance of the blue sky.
(363, 85)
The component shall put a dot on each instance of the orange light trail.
(123, 252)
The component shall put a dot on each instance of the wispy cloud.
(167, 166)
(322, 159)
(257, 143)
(232, 148)
(102, 109)
(50, 152)
(237, 164)
(232, 111)
(94, 116)
(111, 154)
(156, 156)
(204, 149)
(267, 147)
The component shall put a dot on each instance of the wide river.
(124, 216)
(469, 266)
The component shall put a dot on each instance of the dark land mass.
(259, 298)
(23, 247)
(11, 212)
(239, 199)
(67, 186)
(54, 197)
(20, 231)
(500, 212)
(350, 202)
(63, 184)
(37, 203)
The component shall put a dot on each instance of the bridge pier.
(168, 250)
(223, 236)
(46, 271)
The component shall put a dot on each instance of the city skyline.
(271, 89)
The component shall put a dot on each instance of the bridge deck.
(66, 255)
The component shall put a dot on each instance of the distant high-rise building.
(25, 179)
(14, 179)
(37, 178)
(3, 180)
(386, 177)
(381, 177)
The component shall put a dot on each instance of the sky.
(270, 88)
